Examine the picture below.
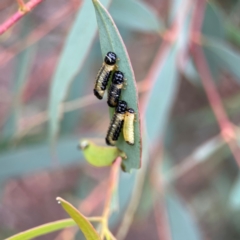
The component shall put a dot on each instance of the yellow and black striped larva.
(116, 123)
(114, 90)
(128, 126)
(104, 74)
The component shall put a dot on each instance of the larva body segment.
(104, 74)
(102, 80)
(116, 124)
(114, 129)
(114, 91)
(128, 127)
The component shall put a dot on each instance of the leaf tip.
(59, 200)
(83, 144)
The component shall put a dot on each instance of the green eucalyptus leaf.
(82, 222)
(27, 160)
(191, 73)
(227, 57)
(212, 151)
(213, 62)
(145, 205)
(213, 23)
(99, 156)
(232, 32)
(219, 25)
(135, 15)
(23, 63)
(111, 40)
(234, 199)
(182, 224)
(125, 190)
(43, 229)
(213, 26)
(130, 188)
(77, 45)
(161, 96)
(79, 89)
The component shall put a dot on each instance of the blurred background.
(199, 174)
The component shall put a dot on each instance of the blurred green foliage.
(202, 189)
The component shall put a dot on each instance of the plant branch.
(22, 6)
(161, 218)
(227, 128)
(113, 181)
(157, 186)
(42, 117)
(38, 33)
(86, 206)
(200, 155)
(94, 199)
(18, 15)
(134, 201)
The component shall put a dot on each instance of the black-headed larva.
(104, 74)
(116, 123)
(114, 90)
(128, 126)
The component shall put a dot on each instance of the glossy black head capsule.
(118, 77)
(121, 107)
(104, 74)
(130, 110)
(110, 58)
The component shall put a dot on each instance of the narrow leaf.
(78, 89)
(228, 58)
(191, 73)
(99, 156)
(72, 59)
(43, 229)
(182, 224)
(82, 222)
(23, 64)
(135, 15)
(232, 32)
(162, 95)
(125, 190)
(111, 40)
(213, 24)
(22, 161)
(213, 62)
(234, 200)
(214, 151)
(130, 188)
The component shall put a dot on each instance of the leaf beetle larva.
(128, 126)
(104, 74)
(116, 123)
(114, 90)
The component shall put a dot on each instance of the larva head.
(118, 77)
(121, 107)
(130, 110)
(110, 58)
